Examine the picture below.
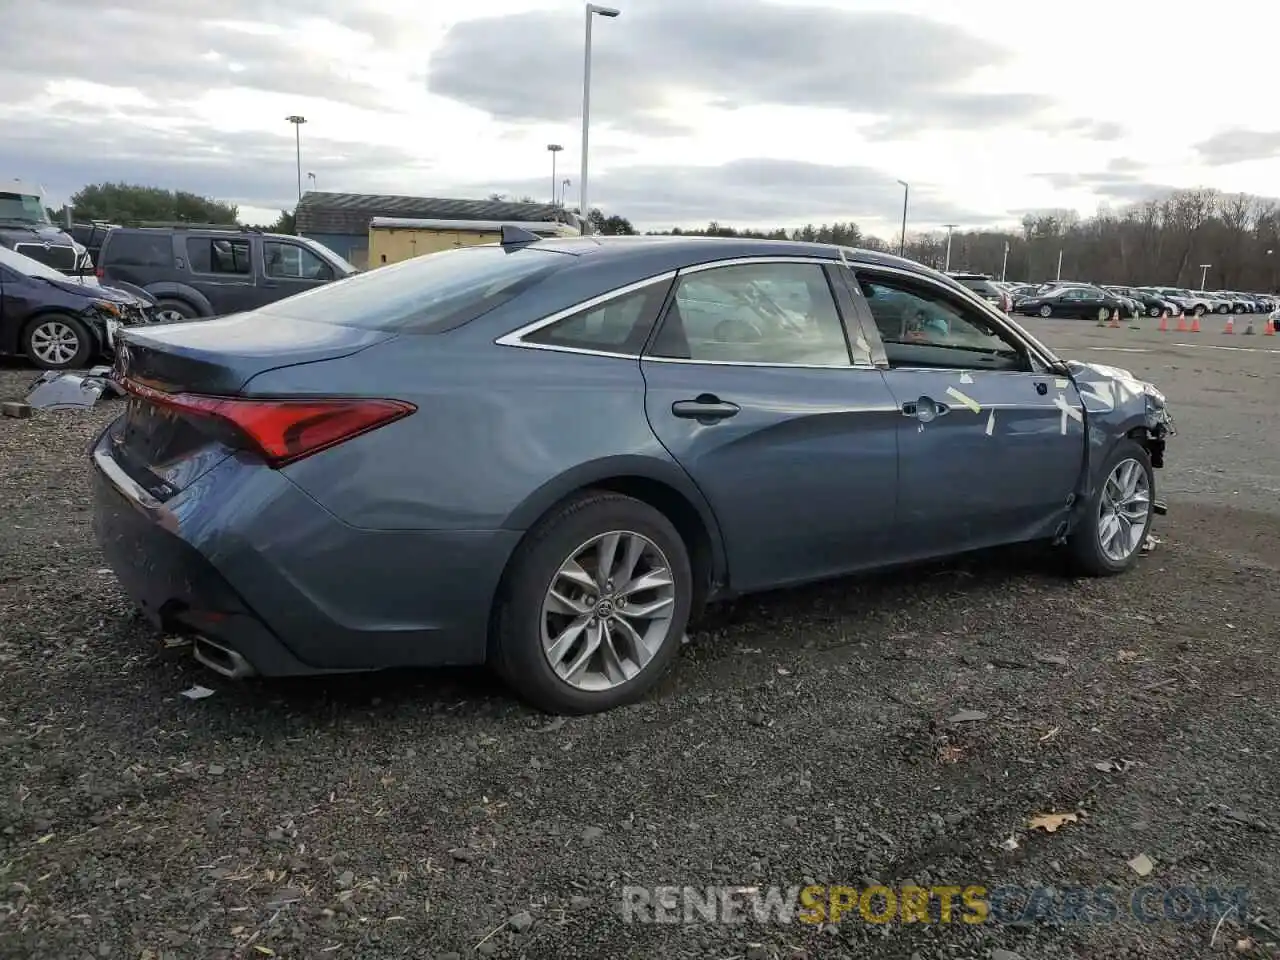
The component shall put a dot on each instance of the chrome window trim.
(516, 337)
(1037, 350)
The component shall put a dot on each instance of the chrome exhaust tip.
(221, 660)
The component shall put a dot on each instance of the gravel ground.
(817, 735)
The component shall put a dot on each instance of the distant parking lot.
(897, 730)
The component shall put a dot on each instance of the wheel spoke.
(646, 611)
(610, 659)
(627, 568)
(558, 649)
(566, 606)
(606, 550)
(649, 581)
(640, 652)
(573, 572)
(593, 632)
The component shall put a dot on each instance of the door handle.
(925, 409)
(706, 408)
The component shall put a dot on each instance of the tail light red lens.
(100, 273)
(283, 431)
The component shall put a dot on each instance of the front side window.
(768, 313)
(922, 327)
(288, 261)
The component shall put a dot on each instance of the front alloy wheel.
(1113, 524)
(1046, 311)
(58, 343)
(1123, 510)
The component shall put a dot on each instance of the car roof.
(694, 249)
(227, 231)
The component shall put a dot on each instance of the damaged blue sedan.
(549, 454)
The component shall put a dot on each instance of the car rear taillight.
(282, 431)
(100, 273)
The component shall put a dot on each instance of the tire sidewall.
(1087, 541)
(519, 655)
(83, 353)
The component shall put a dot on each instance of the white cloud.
(986, 108)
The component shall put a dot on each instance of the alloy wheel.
(168, 316)
(55, 343)
(1046, 310)
(608, 610)
(1123, 510)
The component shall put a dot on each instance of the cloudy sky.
(751, 112)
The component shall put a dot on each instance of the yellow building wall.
(392, 244)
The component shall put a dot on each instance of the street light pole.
(1204, 270)
(950, 227)
(1004, 263)
(554, 148)
(592, 9)
(1059, 276)
(906, 193)
(297, 122)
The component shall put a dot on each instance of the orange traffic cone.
(1271, 328)
(1231, 326)
(1195, 324)
(1115, 319)
(1182, 323)
(1164, 321)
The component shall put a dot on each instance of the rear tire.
(58, 341)
(534, 644)
(170, 310)
(1092, 553)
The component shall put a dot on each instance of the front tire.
(1046, 311)
(594, 605)
(1114, 522)
(1199, 310)
(57, 341)
(1153, 312)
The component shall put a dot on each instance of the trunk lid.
(166, 450)
(220, 356)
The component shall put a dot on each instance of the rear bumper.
(249, 562)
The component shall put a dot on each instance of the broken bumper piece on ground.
(72, 391)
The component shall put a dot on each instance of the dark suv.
(986, 288)
(197, 272)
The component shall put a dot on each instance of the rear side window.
(620, 325)
(137, 249)
(427, 294)
(218, 255)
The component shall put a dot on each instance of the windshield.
(28, 267)
(23, 207)
(344, 266)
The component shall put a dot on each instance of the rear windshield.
(427, 294)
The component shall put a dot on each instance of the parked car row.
(1090, 301)
(58, 319)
